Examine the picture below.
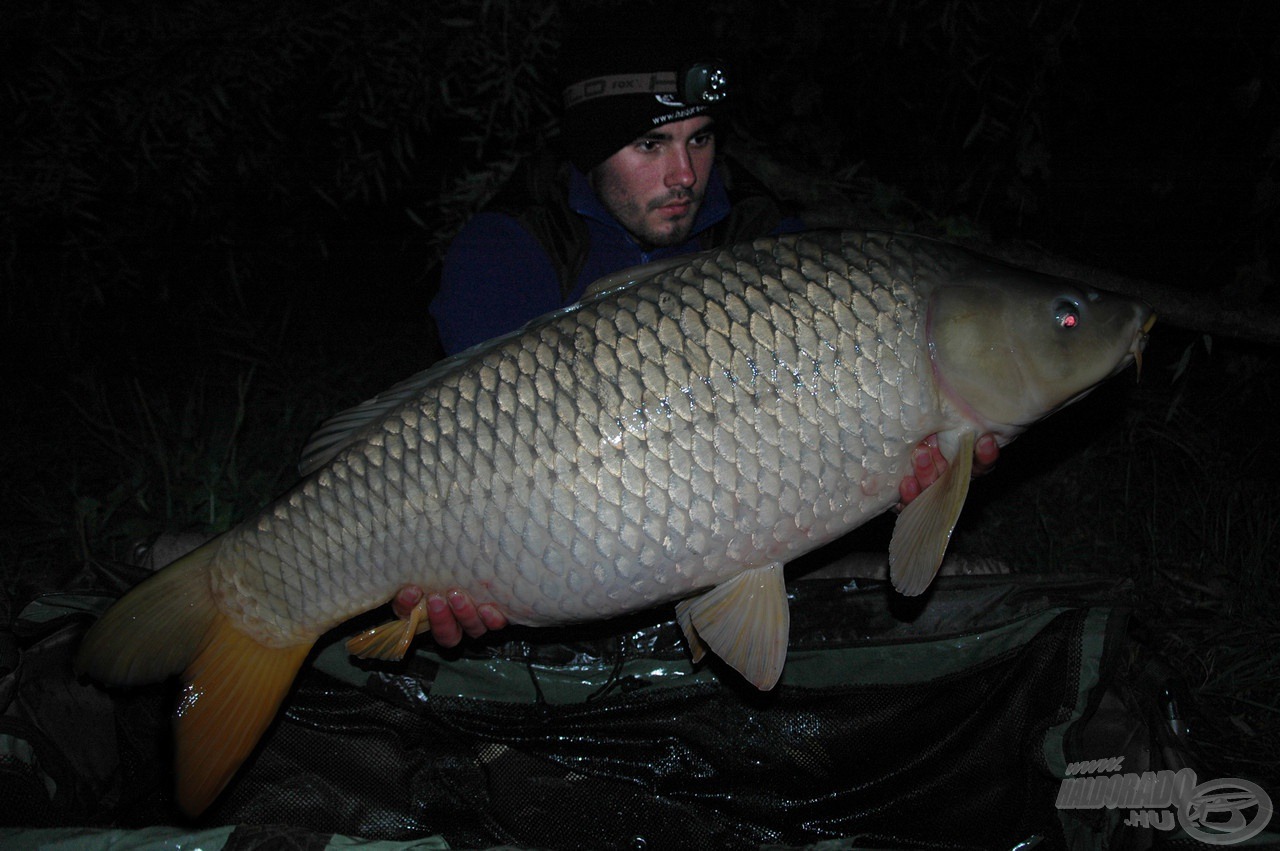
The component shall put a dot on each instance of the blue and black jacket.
(542, 240)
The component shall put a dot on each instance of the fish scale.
(718, 431)
(676, 436)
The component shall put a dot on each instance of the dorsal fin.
(633, 275)
(343, 428)
(340, 431)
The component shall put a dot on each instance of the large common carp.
(677, 436)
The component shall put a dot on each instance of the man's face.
(655, 185)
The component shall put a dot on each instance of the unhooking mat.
(947, 721)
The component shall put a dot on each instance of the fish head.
(1011, 346)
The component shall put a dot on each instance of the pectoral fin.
(924, 528)
(684, 617)
(744, 621)
(389, 641)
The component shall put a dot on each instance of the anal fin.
(745, 621)
(924, 527)
(389, 641)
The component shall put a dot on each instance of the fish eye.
(1066, 313)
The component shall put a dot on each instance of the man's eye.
(703, 139)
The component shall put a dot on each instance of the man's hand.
(928, 465)
(449, 616)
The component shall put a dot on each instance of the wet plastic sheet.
(943, 721)
(213, 839)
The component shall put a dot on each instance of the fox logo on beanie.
(629, 69)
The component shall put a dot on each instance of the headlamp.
(698, 84)
(703, 82)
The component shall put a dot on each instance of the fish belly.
(648, 443)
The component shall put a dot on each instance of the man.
(641, 183)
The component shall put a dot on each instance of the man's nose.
(680, 170)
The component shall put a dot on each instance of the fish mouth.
(1133, 355)
(1140, 342)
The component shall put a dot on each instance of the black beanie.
(652, 53)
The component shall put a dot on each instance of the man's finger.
(444, 626)
(492, 618)
(404, 601)
(985, 453)
(465, 611)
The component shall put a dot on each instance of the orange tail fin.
(233, 684)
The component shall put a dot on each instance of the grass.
(127, 444)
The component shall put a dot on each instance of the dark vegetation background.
(220, 222)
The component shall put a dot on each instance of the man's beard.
(634, 218)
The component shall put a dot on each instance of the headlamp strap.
(655, 82)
